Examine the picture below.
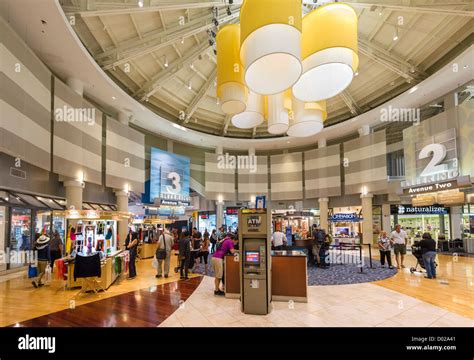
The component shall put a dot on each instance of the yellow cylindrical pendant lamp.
(277, 114)
(231, 89)
(329, 52)
(254, 114)
(308, 118)
(271, 44)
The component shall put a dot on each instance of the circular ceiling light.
(278, 119)
(307, 118)
(230, 76)
(271, 44)
(253, 116)
(329, 52)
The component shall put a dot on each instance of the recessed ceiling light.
(114, 98)
(395, 37)
(356, 73)
(413, 89)
(140, 3)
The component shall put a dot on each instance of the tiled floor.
(364, 305)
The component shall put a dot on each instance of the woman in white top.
(385, 248)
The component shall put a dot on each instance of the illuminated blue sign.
(169, 176)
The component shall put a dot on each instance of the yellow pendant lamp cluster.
(281, 67)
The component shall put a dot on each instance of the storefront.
(345, 224)
(206, 221)
(24, 217)
(417, 220)
(231, 218)
(295, 224)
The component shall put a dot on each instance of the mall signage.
(174, 202)
(350, 217)
(419, 210)
(436, 160)
(429, 188)
(169, 176)
(253, 223)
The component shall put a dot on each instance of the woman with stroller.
(428, 251)
(385, 248)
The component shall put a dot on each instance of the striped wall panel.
(367, 164)
(286, 176)
(251, 184)
(322, 169)
(77, 141)
(220, 183)
(125, 157)
(25, 101)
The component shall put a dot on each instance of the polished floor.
(402, 300)
(357, 305)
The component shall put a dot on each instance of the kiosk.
(255, 253)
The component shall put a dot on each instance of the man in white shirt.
(399, 240)
(165, 241)
(278, 240)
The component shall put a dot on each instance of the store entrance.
(416, 225)
(20, 231)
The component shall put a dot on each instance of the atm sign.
(253, 223)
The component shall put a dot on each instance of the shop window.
(3, 209)
(20, 231)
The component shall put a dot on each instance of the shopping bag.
(47, 274)
(155, 263)
(32, 271)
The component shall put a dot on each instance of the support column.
(367, 223)
(323, 214)
(455, 219)
(386, 225)
(122, 205)
(219, 213)
(73, 194)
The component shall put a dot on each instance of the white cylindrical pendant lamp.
(271, 44)
(278, 120)
(329, 52)
(308, 118)
(253, 115)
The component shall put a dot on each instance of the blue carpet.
(335, 274)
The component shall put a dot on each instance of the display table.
(288, 276)
(232, 277)
(107, 269)
(147, 250)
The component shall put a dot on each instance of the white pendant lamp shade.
(329, 52)
(271, 44)
(253, 115)
(308, 118)
(278, 119)
(231, 89)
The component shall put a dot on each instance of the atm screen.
(252, 257)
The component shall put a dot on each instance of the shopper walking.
(184, 254)
(204, 252)
(428, 251)
(385, 249)
(165, 242)
(131, 244)
(56, 247)
(278, 240)
(223, 247)
(213, 240)
(42, 246)
(399, 240)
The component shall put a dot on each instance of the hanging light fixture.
(254, 114)
(278, 119)
(230, 77)
(307, 118)
(271, 44)
(329, 52)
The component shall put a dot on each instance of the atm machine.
(255, 261)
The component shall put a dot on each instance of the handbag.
(154, 264)
(161, 253)
(32, 271)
